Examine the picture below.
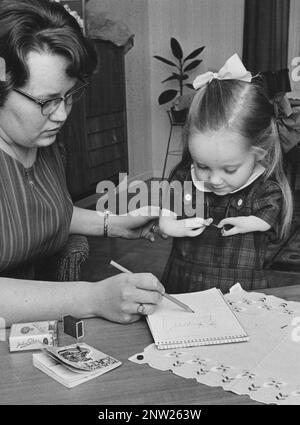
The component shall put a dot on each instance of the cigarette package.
(30, 336)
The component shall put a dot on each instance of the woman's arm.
(131, 226)
(116, 298)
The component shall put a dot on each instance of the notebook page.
(213, 321)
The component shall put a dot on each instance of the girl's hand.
(194, 226)
(124, 298)
(243, 225)
(190, 227)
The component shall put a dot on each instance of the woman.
(47, 60)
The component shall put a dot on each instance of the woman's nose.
(61, 113)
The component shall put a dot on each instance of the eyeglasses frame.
(41, 103)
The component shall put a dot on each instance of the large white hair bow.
(232, 70)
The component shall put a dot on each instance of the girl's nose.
(215, 178)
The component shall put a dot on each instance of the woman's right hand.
(119, 297)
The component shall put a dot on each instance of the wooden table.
(22, 383)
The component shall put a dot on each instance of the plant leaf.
(194, 53)
(190, 86)
(192, 65)
(166, 96)
(167, 61)
(176, 48)
(173, 77)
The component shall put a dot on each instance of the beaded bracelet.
(105, 224)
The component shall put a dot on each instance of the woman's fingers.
(148, 282)
(151, 230)
(145, 309)
(140, 294)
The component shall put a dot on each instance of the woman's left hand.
(140, 223)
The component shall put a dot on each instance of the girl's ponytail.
(274, 165)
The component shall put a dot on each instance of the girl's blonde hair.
(242, 108)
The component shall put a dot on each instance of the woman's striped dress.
(35, 208)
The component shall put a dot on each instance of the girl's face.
(222, 160)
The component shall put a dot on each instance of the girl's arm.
(170, 226)
(243, 224)
(266, 212)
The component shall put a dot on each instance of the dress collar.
(257, 172)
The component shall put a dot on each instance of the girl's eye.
(230, 171)
(202, 167)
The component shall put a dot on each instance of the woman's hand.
(243, 225)
(124, 298)
(140, 223)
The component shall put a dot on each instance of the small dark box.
(73, 326)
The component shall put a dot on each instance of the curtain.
(266, 31)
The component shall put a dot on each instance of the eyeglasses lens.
(51, 105)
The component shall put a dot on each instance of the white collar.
(257, 172)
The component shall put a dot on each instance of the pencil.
(176, 301)
(169, 297)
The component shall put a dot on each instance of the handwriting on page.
(182, 323)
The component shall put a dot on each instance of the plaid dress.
(212, 260)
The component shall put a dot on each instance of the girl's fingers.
(194, 222)
(229, 220)
(197, 222)
(196, 232)
(233, 231)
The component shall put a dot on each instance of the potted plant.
(183, 67)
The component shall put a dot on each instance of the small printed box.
(73, 326)
(29, 336)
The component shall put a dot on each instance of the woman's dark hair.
(244, 109)
(42, 26)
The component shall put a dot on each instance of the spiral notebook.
(212, 323)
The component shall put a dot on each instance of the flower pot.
(179, 116)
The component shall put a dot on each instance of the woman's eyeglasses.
(48, 106)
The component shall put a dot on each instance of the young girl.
(232, 153)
